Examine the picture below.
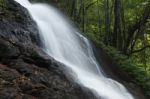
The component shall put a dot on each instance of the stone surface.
(26, 72)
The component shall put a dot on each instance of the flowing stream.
(69, 47)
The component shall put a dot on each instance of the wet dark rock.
(26, 71)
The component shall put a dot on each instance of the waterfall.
(63, 43)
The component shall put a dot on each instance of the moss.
(6, 12)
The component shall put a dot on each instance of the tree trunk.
(132, 30)
(107, 22)
(117, 35)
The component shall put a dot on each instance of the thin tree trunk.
(107, 22)
(117, 35)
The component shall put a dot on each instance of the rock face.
(26, 72)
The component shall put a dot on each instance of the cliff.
(26, 72)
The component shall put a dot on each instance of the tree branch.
(137, 26)
(88, 6)
(139, 50)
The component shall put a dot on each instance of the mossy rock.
(6, 12)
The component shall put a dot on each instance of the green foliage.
(135, 71)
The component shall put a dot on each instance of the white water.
(63, 43)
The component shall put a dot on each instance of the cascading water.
(63, 43)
